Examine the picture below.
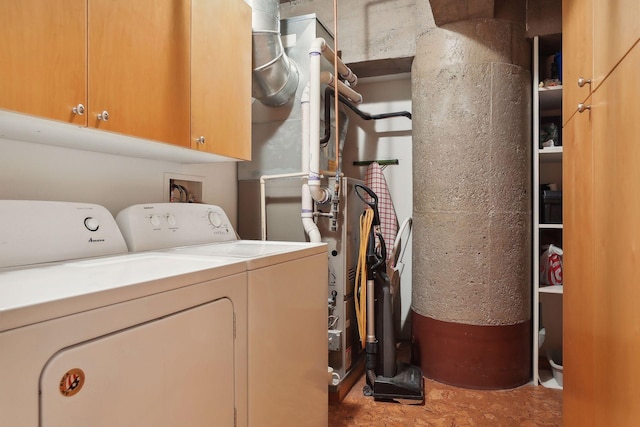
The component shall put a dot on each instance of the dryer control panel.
(166, 225)
(35, 231)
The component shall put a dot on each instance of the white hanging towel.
(375, 180)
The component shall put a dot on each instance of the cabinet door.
(616, 28)
(577, 53)
(602, 321)
(139, 68)
(616, 324)
(578, 271)
(43, 58)
(221, 77)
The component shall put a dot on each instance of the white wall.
(382, 140)
(43, 172)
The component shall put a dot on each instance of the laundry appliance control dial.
(91, 223)
(215, 219)
(155, 220)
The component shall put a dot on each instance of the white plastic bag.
(551, 266)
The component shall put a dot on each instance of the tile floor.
(525, 406)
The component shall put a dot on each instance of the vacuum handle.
(383, 250)
(373, 205)
(376, 258)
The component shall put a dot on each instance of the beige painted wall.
(43, 172)
(387, 139)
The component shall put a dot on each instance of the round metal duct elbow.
(275, 75)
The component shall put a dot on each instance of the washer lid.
(47, 291)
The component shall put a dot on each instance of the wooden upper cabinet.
(138, 70)
(174, 71)
(221, 77)
(43, 58)
(577, 54)
(593, 44)
(616, 28)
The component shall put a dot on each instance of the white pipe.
(310, 105)
(306, 212)
(352, 95)
(304, 111)
(344, 71)
(263, 198)
(307, 204)
(318, 194)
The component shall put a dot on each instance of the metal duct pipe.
(275, 75)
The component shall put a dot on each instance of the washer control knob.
(155, 220)
(91, 223)
(214, 219)
(171, 220)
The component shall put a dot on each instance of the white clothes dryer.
(114, 339)
(287, 305)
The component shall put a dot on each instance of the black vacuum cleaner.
(387, 378)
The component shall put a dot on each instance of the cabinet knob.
(200, 140)
(104, 116)
(582, 108)
(78, 109)
(582, 81)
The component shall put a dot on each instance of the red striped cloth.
(375, 180)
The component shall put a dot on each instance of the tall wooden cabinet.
(176, 72)
(602, 231)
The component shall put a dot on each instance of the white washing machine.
(116, 339)
(287, 305)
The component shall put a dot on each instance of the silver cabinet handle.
(78, 109)
(582, 81)
(582, 108)
(200, 140)
(104, 116)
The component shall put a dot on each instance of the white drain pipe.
(353, 96)
(306, 212)
(310, 107)
(316, 78)
(344, 71)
